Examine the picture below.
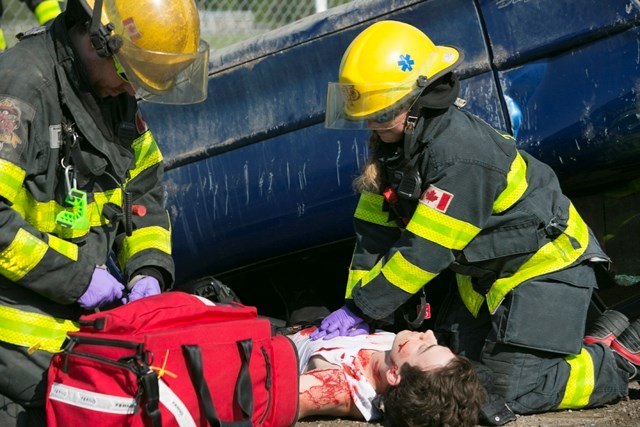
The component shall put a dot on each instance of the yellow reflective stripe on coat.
(11, 180)
(33, 330)
(405, 275)
(471, 299)
(68, 249)
(370, 209)
(143, 239)
(22, 255)
(580, 383)
(46, 11)
(42, 215)
(371, 274)
(442, 229)
(516, 185)
(354, 277)
(147, 154)
(554, 256)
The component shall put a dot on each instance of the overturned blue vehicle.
(260, 192)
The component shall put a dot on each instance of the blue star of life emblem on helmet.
(406, 62)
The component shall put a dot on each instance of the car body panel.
(253, 176)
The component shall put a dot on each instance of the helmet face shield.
(367, 106)
(157, 44)
(166, 78)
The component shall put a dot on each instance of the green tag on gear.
(77, 217)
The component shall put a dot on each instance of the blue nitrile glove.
(103, 289)
(142, 286)
(342, 322)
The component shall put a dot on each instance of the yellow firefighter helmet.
(157, 43)
(383, 71)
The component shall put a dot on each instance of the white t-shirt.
(343, 351)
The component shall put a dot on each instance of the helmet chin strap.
(437, 96)
(103, 42)
(414, 112)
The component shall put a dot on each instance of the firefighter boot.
(606, 328)
(627, 345)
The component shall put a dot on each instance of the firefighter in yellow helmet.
(445, 192)
(81, 195)
(155, 44)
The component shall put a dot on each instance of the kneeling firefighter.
(444, 191)
(81, 175)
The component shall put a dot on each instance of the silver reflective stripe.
(172, 402)
(110, 404)
(91, 400)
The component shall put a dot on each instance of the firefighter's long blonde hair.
(370, 180)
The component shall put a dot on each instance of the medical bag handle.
(243, 389)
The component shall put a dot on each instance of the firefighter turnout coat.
(491, 213)
(56, 135)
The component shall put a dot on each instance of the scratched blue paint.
(253, 175)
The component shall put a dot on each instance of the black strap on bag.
(243, 388)
(149, 383)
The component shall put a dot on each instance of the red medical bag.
(174, 359)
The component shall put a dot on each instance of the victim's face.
(419, 349)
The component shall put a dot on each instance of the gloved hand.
(103, 289)
(142, 286)
(342, 322)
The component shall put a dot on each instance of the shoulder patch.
(436, 198)
(9, 123)
(14, 116)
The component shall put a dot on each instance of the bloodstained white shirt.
(343, 351)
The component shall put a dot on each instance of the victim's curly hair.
(448, 396)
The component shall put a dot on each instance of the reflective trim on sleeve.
(554, 256)
(68, 249)
(442, 229)
(405, 275)
(11, 179)
(471, 299)
(369, 209)
(46, 11)
(22, 255)
(516, 185)
(371, 274)
(580, 383)
(33, 330)
(147, 154)
(142, 239)
(354, 277)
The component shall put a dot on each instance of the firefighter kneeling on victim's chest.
(81, 175)
(444, 191)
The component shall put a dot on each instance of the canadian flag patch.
(436, 198)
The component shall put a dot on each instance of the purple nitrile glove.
(103, 289)
(142, 286)
(342, 322)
